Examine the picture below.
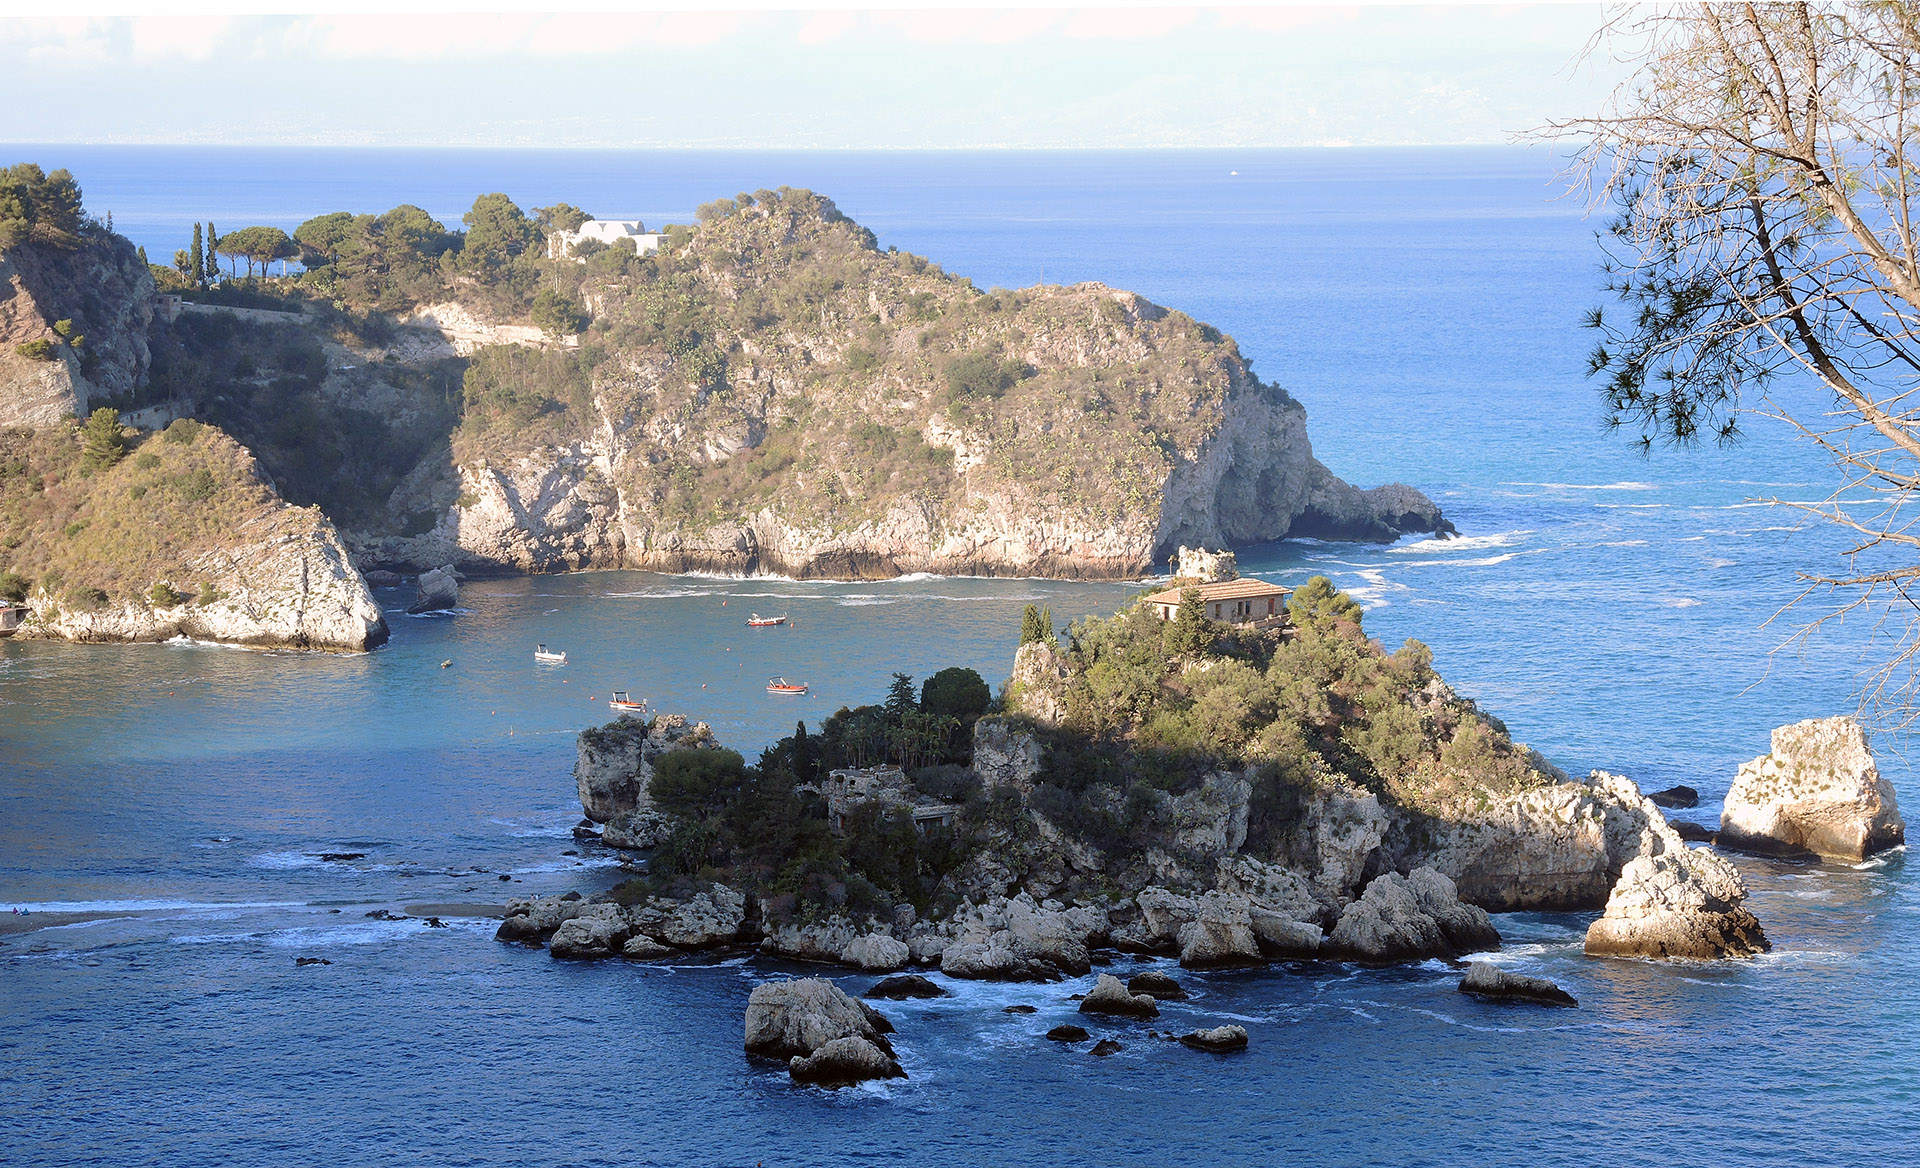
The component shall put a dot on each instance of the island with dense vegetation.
(766, 390)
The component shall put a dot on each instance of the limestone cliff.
(101, 296)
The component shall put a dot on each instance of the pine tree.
(1030, 627)
(1317, 603)
(198, 256)
(1189, 632)
(901, 699)
(101, 443)
(803, 768)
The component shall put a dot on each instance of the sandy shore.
(494, 911)
(11, 923)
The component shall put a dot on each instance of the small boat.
(780, 685)
(541, 653)
(625, 704)
(763, 622)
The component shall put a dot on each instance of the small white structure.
(607, 231)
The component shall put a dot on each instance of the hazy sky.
(786, 76)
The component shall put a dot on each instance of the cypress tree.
(198, 257)
(802, 754)
(1030, 627)
(213, 256)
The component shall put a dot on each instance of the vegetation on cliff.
(95, 515)
(1149, 746)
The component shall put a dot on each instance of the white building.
(607, 231)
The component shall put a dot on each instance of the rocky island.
(766, 391)
(1226, 795)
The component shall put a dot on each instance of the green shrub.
(146, 460)
(162, 595)
(184, 431)
(86, 599)
(209, 595)
(697, 783)
(102, 442)
(40, 350)
(14, 586)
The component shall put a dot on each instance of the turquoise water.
(1424, 305)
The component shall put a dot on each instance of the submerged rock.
(906, 985)
(1020, 1009)
(1409, 918)
(1110, 996)
(1105, 1047)
(1218, 1040)
(1067, 1032)
(1486, 980)
(1681, 903)
(1818, 791)
(796, 1018)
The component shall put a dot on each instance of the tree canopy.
(1759, 167)
(38, 206)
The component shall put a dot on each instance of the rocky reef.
(1818, 791)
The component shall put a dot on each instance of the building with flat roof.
(1240, 601)
(607, 231)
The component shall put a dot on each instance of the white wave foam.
(1678, 602)
(864, 601)
(1484, 562)
(1459, 543)
(1620, 486)
(133, 906)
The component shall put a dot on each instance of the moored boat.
(762, 622)
(542, 653)
(625, 704)
(780, 685)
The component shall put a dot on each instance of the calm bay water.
(1423, 304)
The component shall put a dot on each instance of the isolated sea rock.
(1110, 996)
(1487, 980)
(1068, 1032)
(1680, 903)
(1410, 918)
(436, 591)
(1217, 1040)
(1157, 986)
(786, 1019)
(1818, 791)
(903, 986)
(1679, 797)
(844, 1062)
(1105, 1047)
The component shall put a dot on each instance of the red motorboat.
(780, 685)
(764, 622)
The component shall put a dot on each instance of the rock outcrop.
(1487, 980)
(614, 765)
(828, 1037)
(103, 294)
(1110, 996)
(1677, 903)
(437, 590)
(1217, 1040)
(1407, 918)
(578, 929)
(1818, 791)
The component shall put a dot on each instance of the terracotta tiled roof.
(1243, 588)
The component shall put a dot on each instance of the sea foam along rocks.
(1678, 903)
(1408, 918)
(800, 1019)
(1487, 980)
(1818, 791)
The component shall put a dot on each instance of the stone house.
(1242, 601)
(847, 788)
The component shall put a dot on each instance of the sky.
(792, 75)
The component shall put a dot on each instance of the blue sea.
(1425, 305)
